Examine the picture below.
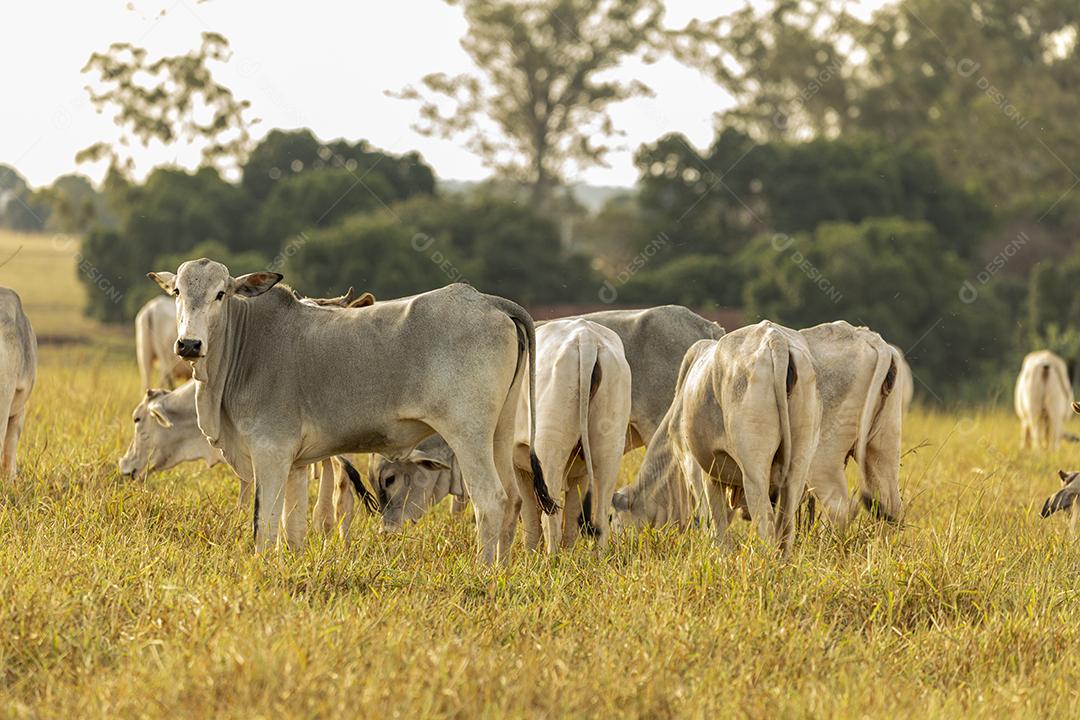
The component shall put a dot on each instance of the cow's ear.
(362, 301)
(431, 463)
(158, 413)
(256, 283)
(621, 500)
(166, 280)
(1064, 477)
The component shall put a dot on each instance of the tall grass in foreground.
(130, 599)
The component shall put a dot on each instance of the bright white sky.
(322, 64)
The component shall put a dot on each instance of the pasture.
(123, 599)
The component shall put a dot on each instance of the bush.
(891, 275)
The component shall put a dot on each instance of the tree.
(171, 213)
(782, 65)
(165, 99)
(541, 86)
(21, 208)
(314, 199)
(498, 245)
(953, 78)
(283, 153)
(372, 252)
(892, 275)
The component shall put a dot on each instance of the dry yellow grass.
(127, 599)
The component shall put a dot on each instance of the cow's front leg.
(271, 476)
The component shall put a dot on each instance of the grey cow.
(654, 343)
(18, 370)
(281, 384)
(746, 417)
(406, 487)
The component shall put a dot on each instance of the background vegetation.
(911, 171)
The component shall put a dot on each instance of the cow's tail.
(881, 384)
(587, 368)
(357, 481)
(526, 330)
(784, 379)
(144, 338)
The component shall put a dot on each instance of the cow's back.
(844, 360)
(654, 343)
(343, 376)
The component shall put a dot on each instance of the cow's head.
(630, 512)
(152, 424)
(202, 289)
(407, 488)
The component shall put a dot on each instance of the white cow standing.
(280, 385)
(1043, 398)
(582, 415)
(155, 337)
(18, 370)
(746, 417)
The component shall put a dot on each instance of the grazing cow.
(583, 411)
(861, 419)
(1065, 498)
(746, 417)
(18, 369)
(167, 434)
(281, 384)
(407, 487)
(155, 336)
(905, 380)
(1042, 397)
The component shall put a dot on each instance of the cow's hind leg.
(11, 443)
(476, 456)
(296, 507)
(344, 502)
(576, 488)
(529, 509)
(323, 516)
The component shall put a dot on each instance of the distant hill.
(592, 197)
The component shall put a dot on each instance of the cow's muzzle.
(188, 348)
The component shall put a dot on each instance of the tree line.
(911, 172)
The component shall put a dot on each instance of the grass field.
(126, 599)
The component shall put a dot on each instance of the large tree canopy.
(541, 84)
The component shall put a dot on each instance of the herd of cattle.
(458, 393)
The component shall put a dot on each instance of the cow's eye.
(221, 294)
(176, 292)
(137, 420)
(390, 481)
